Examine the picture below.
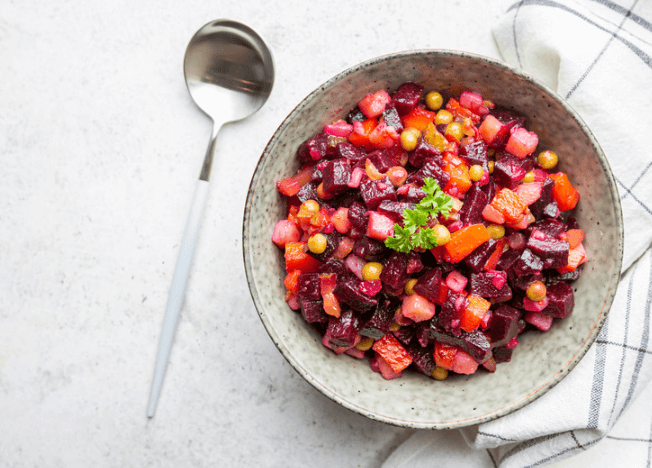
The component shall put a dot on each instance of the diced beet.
(474, 202)
(410, 193)
(348, 151)
(415, 263)
(348, 291)
(477, 259)
(474, 343)
(553, 251)
(316, 148)
(503, 325)
(475, 153)
(333, 239)
(308, 287)
(375, 191)
(484, 285)
(507, 260)
(355, 115)
(490, 365)
(428, 284)
(502, 354)
(308, 191)
(342, 331)
(571, 223)
(422, 359)
(313, 311)
(561, 300)
(369, 249)
(336, 176)
(381, 318)
(522, 282)
(550, 227)
(394, 274)
(432, 170)
(391, 117)
(489, 189)
(538, 319)
(394, 209)
(380, 160)
(395, 154)
(407, 97)
(570, 276)
(404, 335)
(528, 264)
(357, 215)
(537, 208)
(423, 152)
(450, 316)
(334, 265)
(510, 170)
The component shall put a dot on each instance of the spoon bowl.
(229, 73)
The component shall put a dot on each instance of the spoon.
(229, 72)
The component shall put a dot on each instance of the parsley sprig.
(415, 232)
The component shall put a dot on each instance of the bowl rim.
(535, 393)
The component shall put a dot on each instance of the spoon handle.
(177, 292)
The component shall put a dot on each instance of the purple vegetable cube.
(346, 150)
(560, 300)
(404, 335)
(394, 274)
(491, 285)
(394, 209)
(381, 318)
(391, 117)
(336, 176)
(474, 202)
(550, 227)
(477, 259)
(544, 199)
(424, 152)
(369, 249)
(554, 252)
(452, 310)
(334, 265)
(406, 97)
(348, 291)
(528, 264)
(502, 354)
(510, 170)
(333, 240)
(313, 311)
(475, 154)
(315, 148)
(342, 331)
(428, 284)
(507, 260)
(474, 343)
(412, 193)
(309, 287)
(432, 170)
(380, 160)
(503, 325)
(357, 215)
(375, 191)
(422, 359)
(308, 191)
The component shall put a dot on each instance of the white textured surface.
(100, 148)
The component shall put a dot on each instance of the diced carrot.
(474, 312)
(492, 261)
(466, 240)
(459, 176)
(444, 355)
(573, 236)
(509, 204)
(418, 118)
(297, 258)
(360, 135)
(393, 352)
(292, 280)
(492, 215)
(290, 186)
(563, 192)
(576, 256)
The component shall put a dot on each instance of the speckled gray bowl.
(542, 359)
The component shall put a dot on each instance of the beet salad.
(429, 232)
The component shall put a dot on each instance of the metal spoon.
(229, 73)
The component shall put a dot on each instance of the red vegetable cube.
(521, 143)
(392, 351)
(373, 105)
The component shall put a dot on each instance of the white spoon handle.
(177, 292)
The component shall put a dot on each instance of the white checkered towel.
(597, 54)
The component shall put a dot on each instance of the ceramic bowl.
(542, 359)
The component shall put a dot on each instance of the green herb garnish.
(415, 232)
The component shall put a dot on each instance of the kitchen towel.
(597, 54)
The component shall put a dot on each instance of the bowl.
(542, 359)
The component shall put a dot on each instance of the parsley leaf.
(415, 232)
